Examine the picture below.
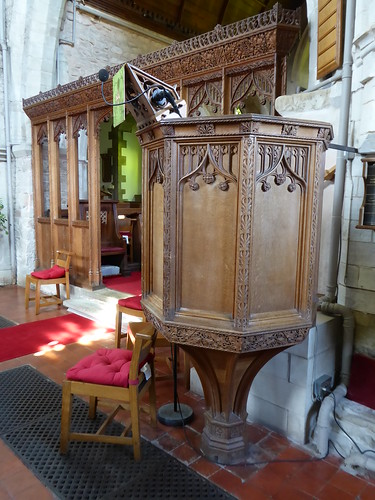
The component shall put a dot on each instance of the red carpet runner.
(47, 334)
(127, 284)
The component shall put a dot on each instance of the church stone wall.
(38, 61)
(356, 278)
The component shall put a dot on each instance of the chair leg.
(66, 410)
(136, 433)
(57, 290)
(118, 327)
(27, 291)
(93, 403)
(67, 289)
(152, 397)
(37, 297)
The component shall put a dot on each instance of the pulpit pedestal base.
(226, 379)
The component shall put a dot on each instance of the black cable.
(129, 101)
(362, 452)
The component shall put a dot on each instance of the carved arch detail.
(282, 162)
(208, 161)
(156, 168)
(42, 133)
(258, 83)
(208, 94)
(59, 127)
(79, 123)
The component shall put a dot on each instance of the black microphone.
(160, 97)
(103, 75)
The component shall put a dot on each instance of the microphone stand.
(175, 414)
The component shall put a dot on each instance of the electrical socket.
(322, 385)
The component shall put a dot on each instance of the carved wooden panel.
(236, 202)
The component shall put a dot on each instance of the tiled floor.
(287, 471)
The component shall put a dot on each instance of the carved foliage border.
(241, 41)
(245, 226)
(167, 233)
(231, 342)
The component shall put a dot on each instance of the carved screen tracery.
(210, 162)
(43, 169)
(258, 84)
(205, 98)
(282, 163)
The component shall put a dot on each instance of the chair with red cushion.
(132, 307)
(122, 376)
(56, 275)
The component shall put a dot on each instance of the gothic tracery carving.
(282, 163)
(207, 161)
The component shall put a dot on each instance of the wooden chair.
(56, 275)
(119, 375)
(132, 307)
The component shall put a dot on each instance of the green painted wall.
(129, 161)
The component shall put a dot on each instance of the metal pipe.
(338, 196)
(4, 50)
(348, 326)
(325, 419)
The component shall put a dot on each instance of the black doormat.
(30, 425)
(4, 323)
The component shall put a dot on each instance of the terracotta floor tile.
(38, 491)
(267, 481)
(20, 481)
(274, 444)
(205, 467)
(244, 472)
(368, 493)
(234, 485)
(185, 454)
(4, 494)
(318, 470)
(291, 480)
(348, 483)
(167, 443)
(330, 492)
(289, 492)
(255, 433)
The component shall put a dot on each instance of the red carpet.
(127, 284)
(362, 381)
(47, 335)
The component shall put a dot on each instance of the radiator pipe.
(348, 325)
(325, 419)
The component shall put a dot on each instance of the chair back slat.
(63, 258)
(144, 344)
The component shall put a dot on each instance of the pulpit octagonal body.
(231, 224)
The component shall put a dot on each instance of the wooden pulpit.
(230, 241)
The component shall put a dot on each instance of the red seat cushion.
(131, 303)
(48, 274)
(105, 366)
(113, 249)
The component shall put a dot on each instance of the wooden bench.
(113, 247)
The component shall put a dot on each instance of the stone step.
(98, 305)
